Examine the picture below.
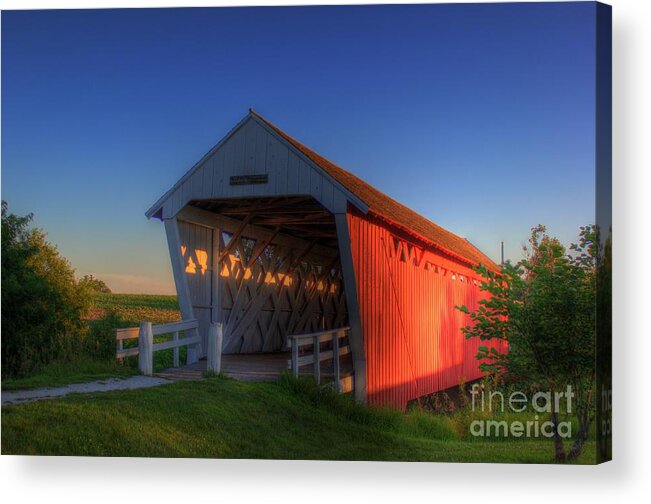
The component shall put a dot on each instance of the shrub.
(42, 304)
(544, 307)
(99, 341)
(94, 284)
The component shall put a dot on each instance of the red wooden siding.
(412, 331)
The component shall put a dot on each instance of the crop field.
(132, 308)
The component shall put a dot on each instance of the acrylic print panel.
(342, 233)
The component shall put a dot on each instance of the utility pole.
(502, 253)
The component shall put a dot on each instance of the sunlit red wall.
(412, 332)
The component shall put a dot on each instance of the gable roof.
(388, 209)
(362, 195)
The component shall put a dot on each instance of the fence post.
(317, 359)
(193, 350)
(215, 340)
(294, 343)
(175, 337)
(219, 343)
(145, 350)
(119, 346)
(335, 359)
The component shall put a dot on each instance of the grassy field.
(132, 308)
(223, 418)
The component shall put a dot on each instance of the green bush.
(94, 284)
(42, 303)
(543, 306)
(99, 341)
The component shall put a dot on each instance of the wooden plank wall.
(412, 331)
(196, 249)
(254, 149)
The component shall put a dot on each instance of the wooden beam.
(175, 352)
(245, 296)
(280, 209)
(235, 238)
(261, 245)
(317, 359)
(312, 232)
(166, 345)
(301, 256)
(273, 221)
(310, 296)
(259, 205)
(180, 279)
(145, 349)
(126, 333)
(356, 336)
(209, 219)
(215, 339)
(258, 299)
(324, 355)
(216, 284)
(181, 325)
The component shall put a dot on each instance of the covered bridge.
(270, 239)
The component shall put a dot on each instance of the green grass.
(222, 418)
(80, 370)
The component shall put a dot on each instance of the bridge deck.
(245, 367)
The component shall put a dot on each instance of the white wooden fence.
(299, 341)
(146, 346)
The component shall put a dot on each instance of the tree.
(94, 284)
(42, 304)
(544, 306)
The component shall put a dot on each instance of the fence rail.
(146, 346)
(126, 334)
(298, 341)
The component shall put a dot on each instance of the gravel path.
(133, 382)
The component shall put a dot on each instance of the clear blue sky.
(480, 117)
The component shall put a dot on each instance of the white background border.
(627, 478)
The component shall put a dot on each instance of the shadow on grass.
(223, 418)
